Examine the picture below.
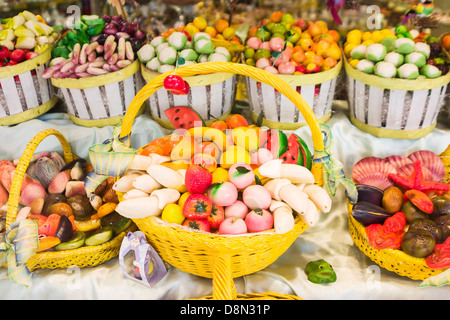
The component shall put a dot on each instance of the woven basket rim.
(313, 78)
(182, 229)
(195, 80)
(97, 81)
(395, 83)
(39, 257)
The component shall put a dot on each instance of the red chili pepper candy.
(440, 258)
(420, 200)
(395, 224)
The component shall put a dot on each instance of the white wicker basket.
(24, 94)
(100, 100)
(278, 112)
(211, 95)
(394, 108)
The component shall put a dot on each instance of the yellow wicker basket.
(87, 256)
(219, 257)
(390, 259)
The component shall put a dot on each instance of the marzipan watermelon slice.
(276, 142)
(184, 118)
(297, 152)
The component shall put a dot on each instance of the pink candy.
(238, 209)
(276, 44)
(257, 197)
(254, 43)
(286, 68)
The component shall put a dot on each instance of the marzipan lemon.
(173, 213)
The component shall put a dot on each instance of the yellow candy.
(377, 36)
(386, 32)
(348, 48)
(183, 198)
(354, 36)
(366, 36)
(220, 175)
(354, 62)
(368, 42)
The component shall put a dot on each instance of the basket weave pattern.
(390, 259)
(87, 256)
(222, 258)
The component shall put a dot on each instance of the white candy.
(395, 58)
(404, 45)
(376, 52)
(416, 58)
(422, 48)
(408, 71)
(385, 69)
(365, 66)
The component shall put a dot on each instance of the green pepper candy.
(59, 29)
(72, 36)
(94, 30)
(80, 26)
(61, 52)
(87, 18)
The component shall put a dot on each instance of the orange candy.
(235, 121)
(221, 25)
(63, 209)
(219, 124)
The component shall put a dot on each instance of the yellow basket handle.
(223, 284)
(237, 68)
(24, 162)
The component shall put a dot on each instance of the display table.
(357, 276)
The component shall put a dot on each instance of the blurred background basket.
(24, 94)
(100, 100)
(394, 108)
(279, 112)
(86, 256)
(219, 257)
(390, 259)
(211, 95)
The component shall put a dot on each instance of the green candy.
(389, 43)
(188, 54)
(376, 52)
(224, 51)
(201, 35)
(153, 64)
(167, 55)
(215, 57)
(385, 69)
(204, 46)
(430, 71)
(416, 58)
(320, 272)
(408, 71)
(202, 58)
(158, 40)
(422, 48)
(395, 58)
(401, 29)
(365, 66)
(177, 40)
(404, 45)
(359, 52)
(166, 68)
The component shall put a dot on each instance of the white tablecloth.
(357, 276)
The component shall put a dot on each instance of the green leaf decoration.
(258, 180)
(259, 120)
(241, 169)
(276, 54)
